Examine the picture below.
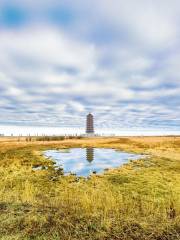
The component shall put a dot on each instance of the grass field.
(138, 201)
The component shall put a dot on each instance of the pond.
(84, 161)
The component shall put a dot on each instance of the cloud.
(123, 65)
(151, 24)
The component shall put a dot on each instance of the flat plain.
(137, 201)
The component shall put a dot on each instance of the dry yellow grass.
(138, 201)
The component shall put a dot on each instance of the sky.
(60, 60)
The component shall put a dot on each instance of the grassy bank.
(139, 201)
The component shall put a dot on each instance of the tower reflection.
(89, 154)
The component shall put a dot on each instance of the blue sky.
(118, 59)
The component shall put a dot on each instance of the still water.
(84, 161)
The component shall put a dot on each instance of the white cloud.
(151, 24)
(46, 46)
(52, 75)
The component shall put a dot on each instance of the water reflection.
(89, 154)
(84, 161)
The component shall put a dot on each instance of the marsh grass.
(139, 201)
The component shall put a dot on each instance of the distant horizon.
(34, 131)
